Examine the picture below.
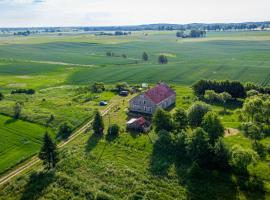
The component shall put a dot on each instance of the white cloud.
(125, 12)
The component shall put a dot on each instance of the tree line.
(235, 88)
(191, 34)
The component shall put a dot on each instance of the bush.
(162, 59)
(65, 131)
(113, 130)
(98, 87)
(145, 56)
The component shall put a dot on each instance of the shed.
(138, 124)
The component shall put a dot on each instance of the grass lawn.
(18, 141)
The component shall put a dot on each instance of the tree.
(98, 87)
(196, 113)
(121, 86)
(48, 152)
(113, 130)
(225, 97)
(240, 158)
(50, 120)
(180, 34)
(266, 111)
(145, 56)
(220, 158)
(65, 130)
(253, 106)
(98, 124)
(198, 146)
(212, 96)
(1, 96)
(180, 119)
(213, 126)
(17, 110)
(162, 120)
(162, 59)
(234, 88)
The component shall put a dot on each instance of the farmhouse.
(160, 96)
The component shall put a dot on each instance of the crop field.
(18, 141)
(81, 59)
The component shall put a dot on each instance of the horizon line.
(100, 26)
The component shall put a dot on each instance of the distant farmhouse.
(160, 96)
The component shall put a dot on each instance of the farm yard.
(61, 69)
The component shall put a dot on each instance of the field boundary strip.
(34, 160)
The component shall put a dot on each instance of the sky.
(37, 13)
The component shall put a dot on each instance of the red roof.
(141, 121)
(159, 93)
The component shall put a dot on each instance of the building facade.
(161, 96)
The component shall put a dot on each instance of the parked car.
(123, 93)
(103, 103)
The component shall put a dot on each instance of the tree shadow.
(38, 182)
(161, 158)
(206, 184)
(252, 187)
(111, 138)
(10, 121)
(92, 142)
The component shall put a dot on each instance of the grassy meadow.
(18, 141)
(130, 167)
(61, 69)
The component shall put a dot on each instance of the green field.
(239, 56)
(18, 141)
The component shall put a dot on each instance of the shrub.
(113, 130)
(65, 130)
(162, 59)
(145, 56)
(98, 87)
